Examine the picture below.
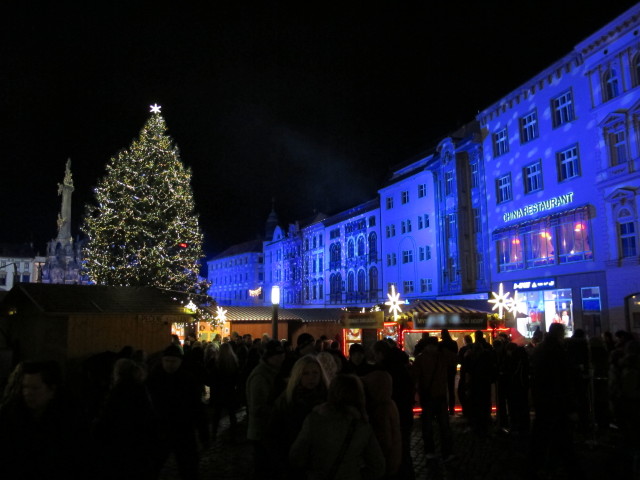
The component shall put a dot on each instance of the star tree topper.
(155, 108)
(394, 303)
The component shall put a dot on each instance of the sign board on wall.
(453, 321)
(363, 320)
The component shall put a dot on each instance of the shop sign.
(363, 320)
(436, 321)
(538, 207)
(535, 284)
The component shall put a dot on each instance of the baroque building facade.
(562, 162)
(538, 195)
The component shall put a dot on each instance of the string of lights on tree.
(142, 229)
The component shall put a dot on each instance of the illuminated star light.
(221, 315)
(501, 301)
(192, 307)
(155, 108)
(394, 303)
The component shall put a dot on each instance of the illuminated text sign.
(538, 207)
(536, 284)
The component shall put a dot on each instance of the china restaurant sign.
(538, 207)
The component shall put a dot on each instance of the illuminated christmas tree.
(143, 230)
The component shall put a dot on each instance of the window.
(617, 146)
(448, 182)
(408, 286)
(500, 142)
(423, 221)
(426, 285)
(389, 203)
(477, 221)
(503, 188)
(611, 86)
(422, 190)
(568, 164)
(450, 225)
(391, 259)
(350, 282)
(408, 226)
(540, 244)
(426, 220)
(425, 253)
(510, 252)
(626, 234)
(372, 221)
(404, 196)
(361, 249)
(25, 278)
(350, 249)
(403, 227)
(562, 107)
(373, 283)
(407, 256)
(635, 66)
(574, 244)
(529, 127)
(475, 175)
(532, 175)
(362, 282)
(373, 247)
(590, 299)
(391, 230)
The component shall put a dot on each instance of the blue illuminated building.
(539, 193)
(562, 175)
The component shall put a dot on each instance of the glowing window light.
(516, 241)
(579, 227)
(545, 235)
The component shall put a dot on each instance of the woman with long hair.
(336, 440)
(305, 390)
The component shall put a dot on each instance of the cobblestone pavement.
(498, 456)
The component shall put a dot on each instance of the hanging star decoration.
(501, 301)
(394, 303)
(221, 315)
(518, 304)
(155, 108)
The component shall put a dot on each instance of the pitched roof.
(50, 298)
(250, 246)
(264, 314)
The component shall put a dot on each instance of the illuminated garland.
(142, 230)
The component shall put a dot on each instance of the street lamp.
(275, 301)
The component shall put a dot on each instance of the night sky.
(309, 104)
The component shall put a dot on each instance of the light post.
(275, 301)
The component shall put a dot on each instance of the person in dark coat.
(463, 394)
(450, 344)
(43, 431)
(394, 361)
(430, 371)
(125, 431)
(357, 363)
(554, 404)
(481, 373)
(176, 397)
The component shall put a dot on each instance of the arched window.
(350, 248)
(350, 282)
(626, 234)
(373, 247)
(335, 255)
(373, 283)
(362, 282)
(611, 84)
(361, 248)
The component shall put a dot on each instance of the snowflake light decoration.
(394, 303)
(501, 301)
(221, 315)
(155, 108)
(192, 307)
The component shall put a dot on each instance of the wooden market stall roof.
(68, 299)
(263, 314)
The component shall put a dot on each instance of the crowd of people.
(315, 413)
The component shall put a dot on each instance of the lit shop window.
(539, 243)
(574, 243)
(510, 252)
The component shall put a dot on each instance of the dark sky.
(311, 105)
